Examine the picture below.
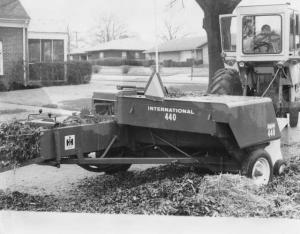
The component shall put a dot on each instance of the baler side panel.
(141, 112)
(254, 124)
(86, 138)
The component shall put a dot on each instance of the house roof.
(182, 44)
(122, 44)
(12, 9)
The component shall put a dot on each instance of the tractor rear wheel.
(258, 166)
(294, 116)
(226, 82)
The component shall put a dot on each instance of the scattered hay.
(173, 190)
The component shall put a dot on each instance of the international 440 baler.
(221, 133)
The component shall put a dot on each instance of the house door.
(1, 59)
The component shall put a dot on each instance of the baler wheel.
(226, 82)
(258, 166)
(279, 167)
(94, 168)
(107, 168)
(294, 116)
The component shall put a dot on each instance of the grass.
(76, 105)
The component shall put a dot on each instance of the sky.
(138, 15)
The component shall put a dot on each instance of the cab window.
(262, 34)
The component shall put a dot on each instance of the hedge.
(47, 74)
(187, 63)
(79, 72)
(54, 73)
(121, 62)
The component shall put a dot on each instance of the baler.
(221, 133)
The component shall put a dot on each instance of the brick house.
(14, 22)
(181, 50)
(127, 48)
(26, 44)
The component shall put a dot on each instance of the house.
(23, 43)
(14, 22)
(47, 43)
(181, 50)
(78, 55)
(128, 48)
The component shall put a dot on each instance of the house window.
(137, 55)
(34, 51)
(124, 54)
(101, 55)
(58, 50)
(46, 50)
(1, 59)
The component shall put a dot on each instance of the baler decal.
(70, 142)
(271, 129)
(171, 110)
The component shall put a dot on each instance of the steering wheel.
(259, 45)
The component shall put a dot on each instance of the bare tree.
(110, 28)
(212, 9)
(172, 31)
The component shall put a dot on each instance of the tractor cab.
(261, 47)
(261, 33)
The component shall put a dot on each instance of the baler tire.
(94, 168)
(248, 165)
(226, 82)
(294, 116)
(113, 169)
(106, 168)
(279, 167)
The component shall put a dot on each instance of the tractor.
(261, 54)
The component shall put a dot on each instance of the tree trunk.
(212, 9)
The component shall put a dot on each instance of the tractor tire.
(279, 167)
(226, 82)
(258, 166)
(294, 116)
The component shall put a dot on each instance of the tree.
(172, 31)
(212, 9)
(110, 28)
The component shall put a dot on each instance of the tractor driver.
(267, 41)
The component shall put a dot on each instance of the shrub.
(79, 72)
(125, 69)
(187, 63)
(148, 63)
(108, 62)
(96, 69)
(120, 61)
(133, 62)
(48, 73)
